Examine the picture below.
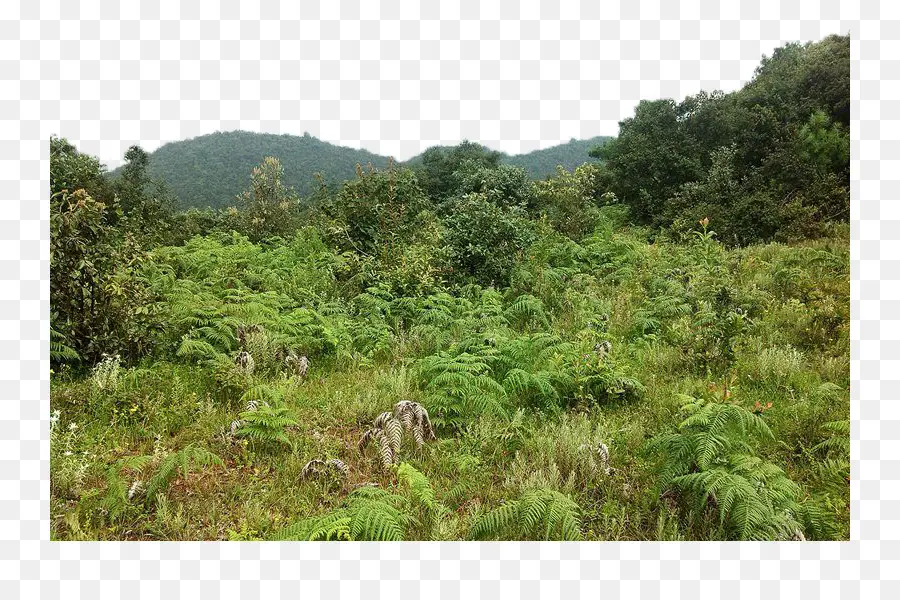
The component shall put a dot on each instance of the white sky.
(440, 86)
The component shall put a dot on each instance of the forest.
(207, 171)
(651, 345)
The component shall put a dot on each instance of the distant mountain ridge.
(210, 170)
(542, 163)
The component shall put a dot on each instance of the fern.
(712, 461)
(60, 351)
(467, 477)
(196, 349)
(261, 394)
(369, 514)
(833, 471)
(710, 431)
(838, 442)
(460, 388)
(319, 467)
(266, 424)
(116, 499)
(330, 527)
(415, 420)
(753, 497)
(418, 485)
(534, 388)
(387, 430)
(372, 514)
(525, 310)
(188, 458)
(539, 514)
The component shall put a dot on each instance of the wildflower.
(73, 426)
(704, 221)
(67, 453)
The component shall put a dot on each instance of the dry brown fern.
(317, 467)
(298, 365)
(387, 430)
(415, 420)
(245, 362)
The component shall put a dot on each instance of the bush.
(485, 240)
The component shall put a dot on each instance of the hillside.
(540, 164)
(210, 170)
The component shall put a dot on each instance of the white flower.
(73, 426)
(67, 453)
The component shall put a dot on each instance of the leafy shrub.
(377, 211)
(504, 185)
(569, 202)
(484, 240)
(268, 207)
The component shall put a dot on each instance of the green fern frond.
(266, 424)
(539, 514)
(196, 349)
(418, 485)
(333, 526)
(60, 351)
(188, 458)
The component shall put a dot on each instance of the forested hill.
(542, 163)
(210, 170)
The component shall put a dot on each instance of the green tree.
(268, 207)
(95, 291)
(651, 158)
(439, 164)
(72, 170)
(146, 203)
(378, 211)
(134, 179)
(484, 240)
(786, 172)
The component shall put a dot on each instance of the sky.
(396, 88)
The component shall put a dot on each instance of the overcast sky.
(397, 87)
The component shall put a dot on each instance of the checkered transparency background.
(396, 77)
